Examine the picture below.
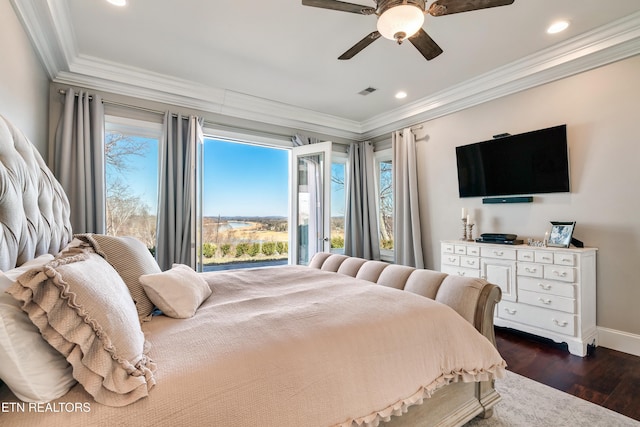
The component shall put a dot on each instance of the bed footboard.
(472, 298)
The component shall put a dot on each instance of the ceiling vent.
(367, 91)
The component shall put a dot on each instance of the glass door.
(310, 202)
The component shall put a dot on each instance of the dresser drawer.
(552, 302)
(473, 250)
(562, 258)
(470, 262)
(461, 271)
(449, 259)
(498, 252)
(559, 272)
(566, 290)
(448, 248)
(530, 270)
(526, 256)
(460, 249)
(555, 321)
(544, 257)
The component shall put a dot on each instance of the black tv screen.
(528, 163)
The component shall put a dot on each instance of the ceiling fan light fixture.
(118, 2)
(400, 22)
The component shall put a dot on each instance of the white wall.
(602, 111)
(24, 85)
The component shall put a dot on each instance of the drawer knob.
(510, 311)
(470, 262)
(545, 301)
(546, 258)
(560, 273)
(566, 259)
(498, 253)
(452, 259)
(546, 287)
(530, 270)
(527, 257)
(562, 324)
(461, 273)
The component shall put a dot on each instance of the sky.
(245, 180)
(141, 173)
(239, 179)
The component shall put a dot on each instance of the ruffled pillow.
(30, 367)
(177, 292)
(83, 309)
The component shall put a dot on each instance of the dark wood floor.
(606, 377)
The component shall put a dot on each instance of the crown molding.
(604, 45)
(48, 25)
(97, 74)
(39, 25)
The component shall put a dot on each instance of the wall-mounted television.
(527, 163)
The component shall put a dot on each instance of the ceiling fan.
(400, 20)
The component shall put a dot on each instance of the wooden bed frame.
(452, 405)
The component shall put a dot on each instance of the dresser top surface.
(523, 246)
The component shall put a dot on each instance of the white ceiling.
(276, 61)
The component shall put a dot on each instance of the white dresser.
(549, 292)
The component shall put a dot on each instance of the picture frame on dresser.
(561, 233)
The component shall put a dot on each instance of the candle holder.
(470, 232)
(464, 229)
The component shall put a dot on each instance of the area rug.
(528, 403)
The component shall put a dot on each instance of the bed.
(95, 334)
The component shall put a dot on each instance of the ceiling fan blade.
(425, 44)
(448, 7)
(341, 6)
(366, 41)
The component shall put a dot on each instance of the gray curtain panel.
(176, 226)
(361, 237)
(406, 213)
(78, 160)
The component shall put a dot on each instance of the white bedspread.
(291, 346)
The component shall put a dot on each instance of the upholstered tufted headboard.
(34, 210)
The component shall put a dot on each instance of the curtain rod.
(120, 104)
(413, 128)
(205, 124)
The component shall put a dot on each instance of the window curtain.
(176, 226)
(361, 238)
(406, 213)
(78, 160)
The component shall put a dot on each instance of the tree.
(386, 202)
(122, 206)
(118, 148)
(127, 213)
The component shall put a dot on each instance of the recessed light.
(118, 2)
(557, 27)
(401, 95)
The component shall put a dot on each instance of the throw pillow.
(131, 259)
(31, 368)
(83, 309)
(177, 292)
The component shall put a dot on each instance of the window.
(131, 173)
(245, 204)
(338, 200)
(384, 190)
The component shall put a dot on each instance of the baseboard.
(619, 340)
